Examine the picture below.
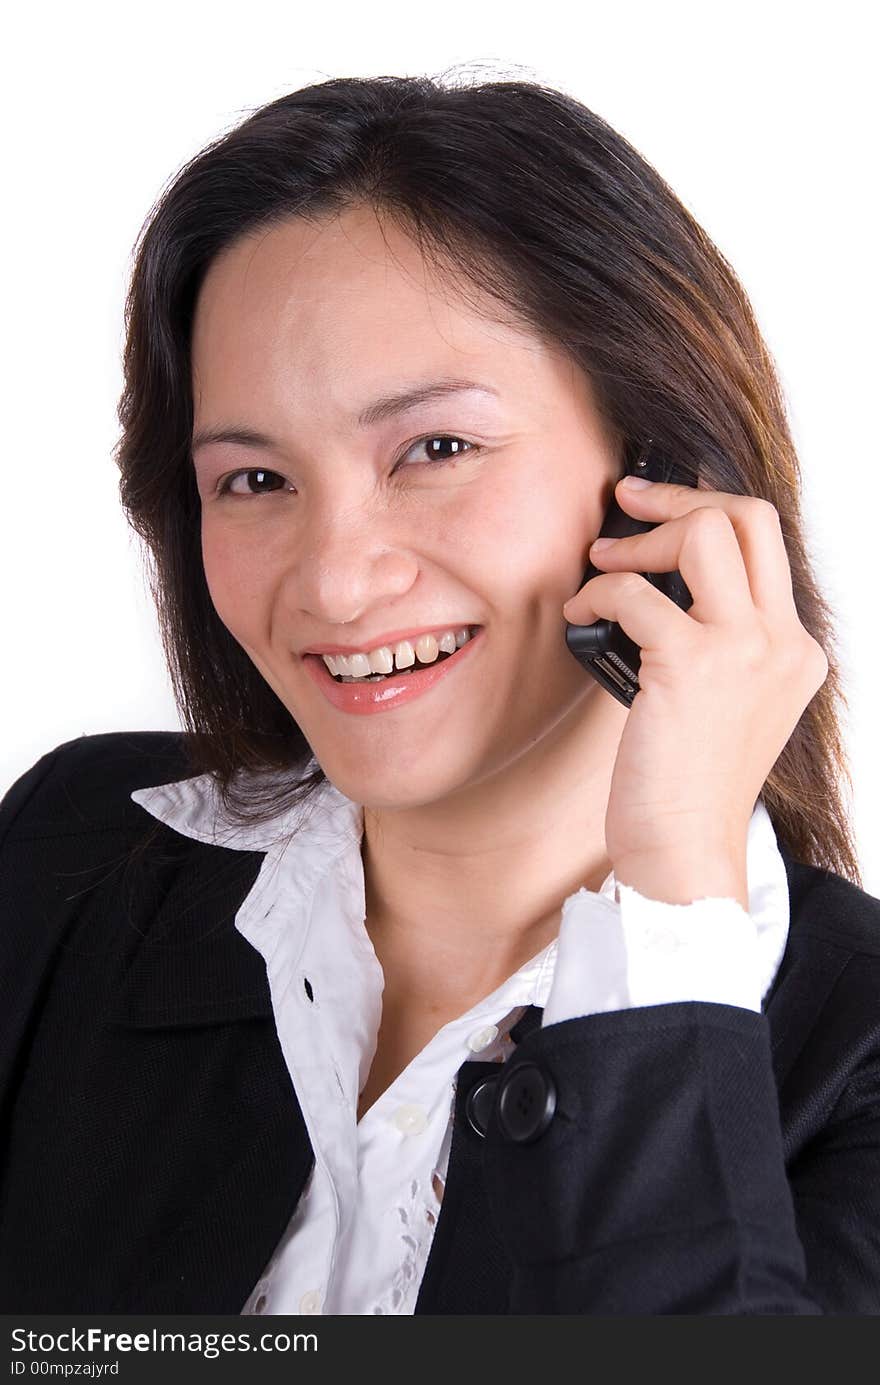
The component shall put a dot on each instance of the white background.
(761, 116)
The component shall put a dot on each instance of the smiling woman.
(441, 981)
(355, 529)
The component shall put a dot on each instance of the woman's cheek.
(528, 537)
(234, 576)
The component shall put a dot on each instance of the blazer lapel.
(468, 1268)
(191, 980)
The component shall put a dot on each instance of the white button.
(260, 1304)
(662, 940)
(310, 1302)
(481, 1038)
(410, 1120)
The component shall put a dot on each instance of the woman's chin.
(394, 788)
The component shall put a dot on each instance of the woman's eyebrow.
(386, 406)
(397, 403)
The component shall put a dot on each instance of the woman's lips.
(365, 699)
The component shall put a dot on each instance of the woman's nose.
(349, 567)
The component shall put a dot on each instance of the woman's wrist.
(680, 877)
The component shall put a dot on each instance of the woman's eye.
(437, 453)
(436, 443)
(226, 486)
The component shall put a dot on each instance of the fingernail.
(600, 544)
(635, 483)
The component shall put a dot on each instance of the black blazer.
(686, 1158)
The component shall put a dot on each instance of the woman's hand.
(722, 685)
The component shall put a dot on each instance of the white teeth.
(402, 655)
(381, 661)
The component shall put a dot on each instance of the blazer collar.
(191, 964)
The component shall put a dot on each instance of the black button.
(526, 1102)
(481, 1099)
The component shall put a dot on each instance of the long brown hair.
(528, 195)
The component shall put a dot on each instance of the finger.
(643, 612)
(755, 522)
(703, 547)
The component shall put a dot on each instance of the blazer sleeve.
(835, 1180)
(658, 1185)
(25, 950)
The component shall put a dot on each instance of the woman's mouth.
(382, 693)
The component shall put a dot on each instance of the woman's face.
(339, 532)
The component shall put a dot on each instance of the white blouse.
(359, 1238)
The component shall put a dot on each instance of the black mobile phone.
(604, 649)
